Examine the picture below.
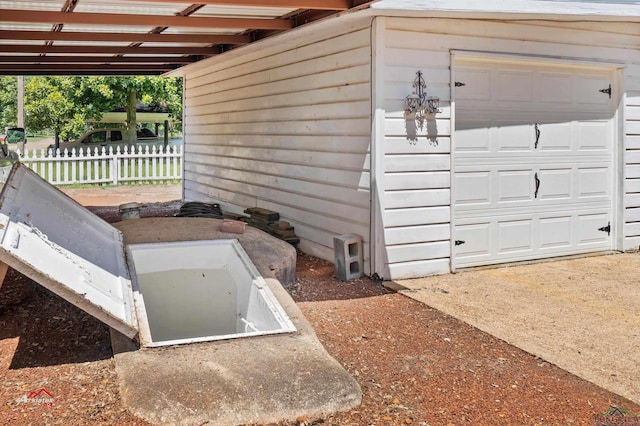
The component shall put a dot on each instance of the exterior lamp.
(433, 102)
(418, 102)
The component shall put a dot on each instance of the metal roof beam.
(22, 59)
(42, 69)
(108, 50)
(116, 19)
(289, 4)
(124, 37)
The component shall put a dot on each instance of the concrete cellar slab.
(261, 380)
(169, 288)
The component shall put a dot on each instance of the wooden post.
(166, 133)
(3, 271)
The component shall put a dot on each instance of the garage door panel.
(483, 137)
(516, 137)
(513, 86)
(556, 232)
(501, 189)
(587, 91)
(514, 185)
(480, 80)
(594, 182)
(506, 85)
(473, 188)
(553, 87)
(469, 214)
(577, 137)
(473, 240)
(533, 161)
(555, 184)
(593, 135)
(490, 239)
(589, 228)
(475, 140)
(554, 137)
(515, 236)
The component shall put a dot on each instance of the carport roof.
(141, 37)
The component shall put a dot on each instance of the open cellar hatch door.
(166, 293)
(50, 238)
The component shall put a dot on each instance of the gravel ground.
(414, 364)
(581, 314)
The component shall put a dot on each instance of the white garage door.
(533, 161)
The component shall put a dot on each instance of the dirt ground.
(108, 196)
(415, 365)
(581, 314)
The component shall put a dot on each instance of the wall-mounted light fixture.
(418, 102)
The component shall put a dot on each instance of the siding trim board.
(379, 255)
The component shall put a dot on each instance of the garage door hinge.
(607, 91)
(606, 229)
(459, 242)
(459, 84)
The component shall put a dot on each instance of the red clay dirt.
(415, 365)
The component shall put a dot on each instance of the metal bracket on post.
(606, 229)
(606, 91)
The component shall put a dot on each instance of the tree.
(54, 103)
(64, 104)
(8, 101)
(112, 93)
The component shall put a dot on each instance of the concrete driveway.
(581, 314)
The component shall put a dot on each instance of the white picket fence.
(148, 164)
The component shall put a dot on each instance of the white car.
(110, 138)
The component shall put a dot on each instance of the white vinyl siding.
(297, 123)
(416, 195)
(632, 157)
(426, 44)
(284, 124)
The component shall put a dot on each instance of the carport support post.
(3, 271)
(166, 133)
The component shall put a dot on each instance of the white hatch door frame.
(50, 238)
(534, 159)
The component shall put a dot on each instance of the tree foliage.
(52, 103)
(8, 102)
(64, 104)
(157, 93)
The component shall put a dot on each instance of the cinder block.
(348, 257)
